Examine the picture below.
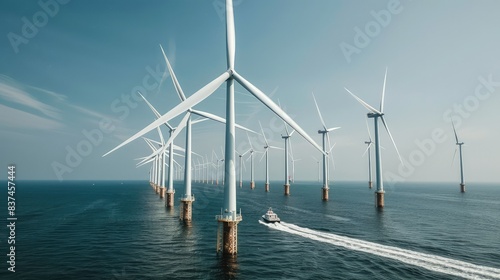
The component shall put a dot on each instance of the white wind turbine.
(229, 216)
(326, 138)
(369, 151)
(242, 163)
(252, 169)
(376, 115)
(459, 144)
(286, 137)
(266, 154)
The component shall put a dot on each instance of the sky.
(69, 72)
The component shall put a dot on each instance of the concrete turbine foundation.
(186, 206)
(162, 192)
(462, 188)
(252, 185)
(227, 234)
(325, 194)
(287, 189)
(370, 184)
(379, 199)
(266, 186)
(169, 202)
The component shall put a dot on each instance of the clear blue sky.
(78, 65)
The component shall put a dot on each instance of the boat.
(270, 217)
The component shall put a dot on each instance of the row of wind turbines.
(229, 217)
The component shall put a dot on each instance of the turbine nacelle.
(374, 115)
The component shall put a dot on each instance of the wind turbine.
(369, 151)
(266, 154)
(286, 137)
(229, 217)
(376, 115)
(242, 163)
(252, 170)
(325, 137)
(188, 198)
(462, 184)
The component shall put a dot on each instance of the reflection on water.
(228, 266)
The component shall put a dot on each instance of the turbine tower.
(369, 151)
(286, 137)
(252, 165)
(266, 154)
(459, 144)
(326, 137)
(229, 218)
(376, 115)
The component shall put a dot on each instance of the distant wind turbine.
(369, 151)
(324, 132)
(286, 137)
(242, 163)
(266, 154)
(376, 115)
(459, 144)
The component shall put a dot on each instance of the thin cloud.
(19, 119)
(14, 92)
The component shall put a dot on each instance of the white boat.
(270, 216)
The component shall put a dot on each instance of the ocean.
(122, 230)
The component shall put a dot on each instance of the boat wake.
(427, 261)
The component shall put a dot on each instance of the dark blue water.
(114, 230)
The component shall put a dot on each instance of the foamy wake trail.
(427, 261)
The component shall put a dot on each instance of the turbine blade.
(392, 139)
(246, 152)
(219, 119)
(366, 105)
(319, 113)
(277, 110)
(383, 93)
(161, 135)
(230, 34)
(367, 148)
(332, 129)
(277, 148)
(157, 114)
(263, 134)
(194, 99)
(199, 121)
(454, 131)
(263, 154)
(454, 154)
(250, 142)
(177, 86)
(368, 128)
(144, 163)
(181, 125)
(291, 132)
(328, 140)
